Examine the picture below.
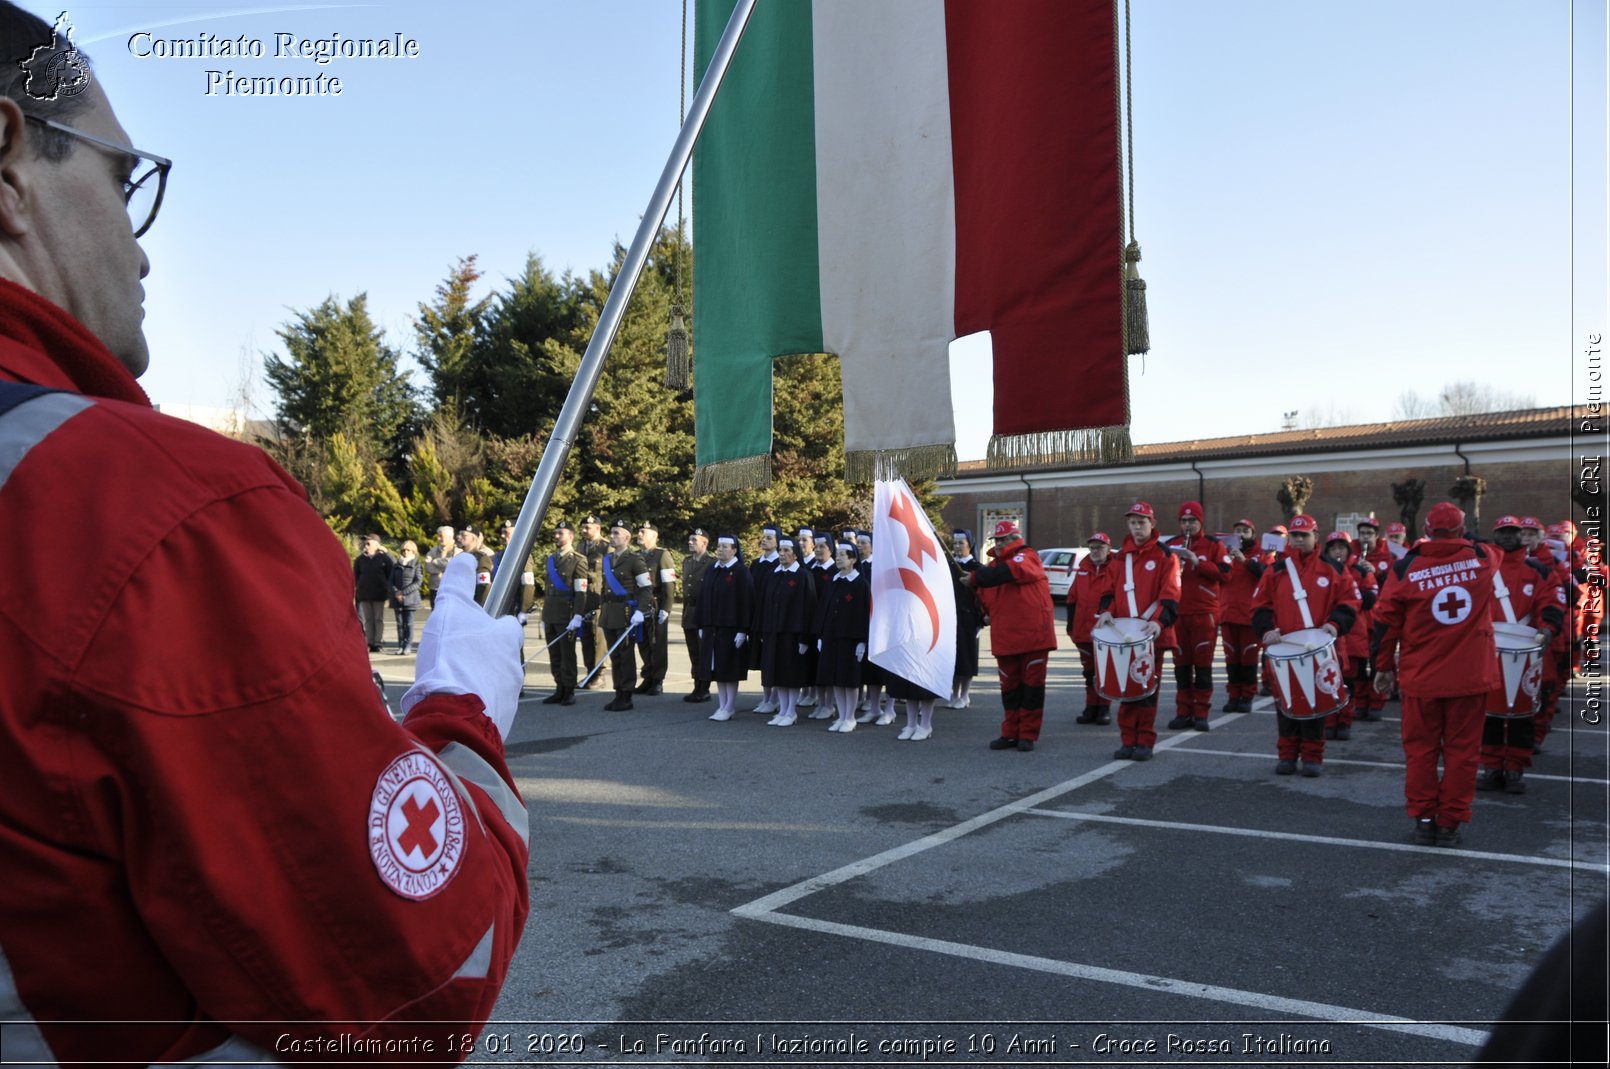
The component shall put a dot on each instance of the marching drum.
(1307, 674)
(1520, 664)
(1126, 660)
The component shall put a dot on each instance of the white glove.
(1154, 628)
(701, 632)
(860, 650)
(1103, 619)
(637, 618)
(664, 616)
(818, 645)
(465, 651)
(738, 640)
(1271, 636)
(802, 649)
(574, 624)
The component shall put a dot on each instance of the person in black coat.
(726, 616)
(407, 586)
(821, 569)
(788, 627)
(371, 580)
(842, 616)
(969, 618)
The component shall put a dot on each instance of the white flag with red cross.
(913, 626)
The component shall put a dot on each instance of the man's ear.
(17, 161)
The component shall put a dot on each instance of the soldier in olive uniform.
(656, 631)
(626, 601)
(593, 547)
(564, 608)
(694, 565)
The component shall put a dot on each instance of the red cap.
(1396, 528)
(1304, 522)
(1007, 529)
(1568, 528)
(1532, 523)
(1246, 523)
(1372, 523)
(1554, 529)
(1339, 536)
(1192, 509)
(1507, 521)
(1446, 516)
(1099, 536)
(1278, 529)
(1140, 508)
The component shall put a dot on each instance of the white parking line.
(1470, 1037)
(1396, 765)
(1327, 840)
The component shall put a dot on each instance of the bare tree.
(1467, 491)
(1464, 398)
(1294, 492)
(1411, 405)
(1408, 495)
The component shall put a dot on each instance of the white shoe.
(835, 726)
(807, 701)
(860, 706)
(847, 726)
(886, 719)
(965, 701)
(905, 733)
(765, 707)
(782, 721)
(822, 714)
(865, 718)
(921, 733)
(774, 721)
(721, 714)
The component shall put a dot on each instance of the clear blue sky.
(1337, 201)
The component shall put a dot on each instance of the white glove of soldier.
(818, 645)
(574, 624)
(738, 640)
(465, 651)
(802, 649)
(860, 650)
(664, 616)
(637, 618)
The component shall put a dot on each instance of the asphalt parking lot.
(734, 893)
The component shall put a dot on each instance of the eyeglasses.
(142, 189)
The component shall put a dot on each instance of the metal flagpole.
(501, 597)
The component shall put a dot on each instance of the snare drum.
(1520, 665)
(1307, 674)
(1126, 660)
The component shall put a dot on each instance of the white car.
(1059, 565)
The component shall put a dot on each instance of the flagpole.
(500, 598)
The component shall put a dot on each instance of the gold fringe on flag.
(1137, 332)
(745, 473)
(678, 363)
(917, 462)
(1099, 445)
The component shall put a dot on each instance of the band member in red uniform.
(1203, 567)
(1434, 622)
(1090, 581)
(1301, 591)
(1372, 551)
(1145, 585)
(1353, 647)
(1023, 632)
(1529, 594)
(1557, 658)
(1235, 619)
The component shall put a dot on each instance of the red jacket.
(1435, 618)
(1356, 643)
(1332, 595)
(1145, 582)
(1017, 597)
(208, 813)
(1200, 583)
(1084, 596)
(1235, 605)
(1536, 596)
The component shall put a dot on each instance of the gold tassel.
(1137, 333)
(1089, 445)
(745, 473)
(678, 364)
(917, 462)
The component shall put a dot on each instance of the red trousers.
(1241, 653)
(1300, 739)
(1136, 722)
(1197, 634)
(1087, 665)
(1449, 728)
(1022, 678)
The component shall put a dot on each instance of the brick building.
(1530, 459)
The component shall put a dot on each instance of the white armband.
(527, 579)
(667, 575)
(581, 583)
(643, 580)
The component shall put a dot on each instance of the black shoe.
(1514, 781)
(1003, 743)
(1024, 745)
(1103, 716)
(650, 689)
(569, 697)
(1246, 705)
(1200, 724)
(1123, 753)
(374, 649)
(1330, 733)
(621, 704)
(697, 696)
(1537, 748)
(1490, 779)
(1343, 734)
(1086, 717)
(1449, 836)
(1179, 722)
(1425, 831)
(555, 698)
(1310, 769)
(1285, 767)
(1142, 753)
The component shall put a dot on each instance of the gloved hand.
(664, 616)
(802, 649)
(574, 624)
(701, 632)
(738, 640)
(465, 651)
(637, 618)
(818, 645)
(860, 651)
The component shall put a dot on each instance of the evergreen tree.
(447, 330)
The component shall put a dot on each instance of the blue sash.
(553, 577)
(615, 584)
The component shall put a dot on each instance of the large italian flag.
(878, 177)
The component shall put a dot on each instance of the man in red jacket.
(1145, 585)
(1557, 658)
(1372, 552)
(208, 815)
(1241, 648)
(1203, 568)
(1023, 632)
(1353, 647)
(1434, 621)
(1090, 580)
